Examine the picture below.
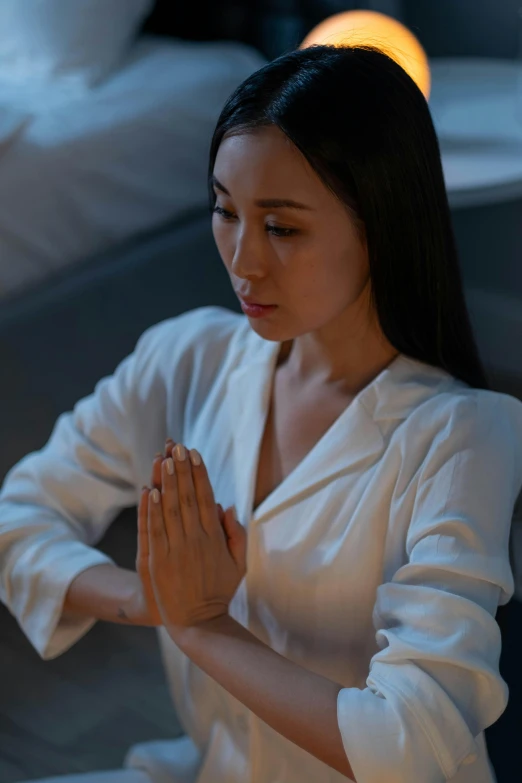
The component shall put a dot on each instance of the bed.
(104, 221)
(81, 172)
(104, 230)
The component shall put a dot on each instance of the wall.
(466, 28)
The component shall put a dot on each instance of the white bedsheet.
(80, 172)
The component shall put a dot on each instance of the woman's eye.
(281, 232)
(223, 212)
(275, 230)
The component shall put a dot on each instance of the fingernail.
(170, 466)
(144, 488)
(180, 452)
(158, 454)
(155, 496)
(195, 457)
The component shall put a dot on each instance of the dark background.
(83, 710)
(446, 28)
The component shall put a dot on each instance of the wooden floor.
(84, 709)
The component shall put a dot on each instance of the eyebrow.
(265, 203)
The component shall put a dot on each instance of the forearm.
(103, 591)
(295, 702)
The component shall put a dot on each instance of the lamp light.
(387, 34)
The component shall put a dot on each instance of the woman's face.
(309, 261)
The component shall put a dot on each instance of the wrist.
(131, 609)
(185, 636)
(103, 592)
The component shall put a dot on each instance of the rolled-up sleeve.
(56, 503)
(434, 685)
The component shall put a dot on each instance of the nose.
(248, 259)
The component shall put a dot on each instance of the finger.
(170, 503)
(156, 465)
(169, 445)
(208, 509)
(156, 471)
(142, 555)
(158, 540)
(188, 503)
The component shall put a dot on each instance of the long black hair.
(366, 129)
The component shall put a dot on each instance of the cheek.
(223, 240)
(333, 278)
(355, 273)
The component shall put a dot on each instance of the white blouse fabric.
(378, 562)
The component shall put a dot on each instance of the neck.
(345, 364)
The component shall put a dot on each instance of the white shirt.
(378, 562)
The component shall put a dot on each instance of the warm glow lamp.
(387, 34)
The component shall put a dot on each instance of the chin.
(272, 333)
(265, 330)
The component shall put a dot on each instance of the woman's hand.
(142, 608)
(195, 560)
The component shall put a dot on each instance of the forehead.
(262, 159)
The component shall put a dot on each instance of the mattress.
(81, 172)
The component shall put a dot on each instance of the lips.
(257, 311)
(249, 301)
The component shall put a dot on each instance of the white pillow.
(75, 41)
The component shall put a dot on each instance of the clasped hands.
(191, 554)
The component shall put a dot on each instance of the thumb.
(230, 523)
(236, 535)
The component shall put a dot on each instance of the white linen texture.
(379, 562)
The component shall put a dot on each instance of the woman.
(346, 628)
